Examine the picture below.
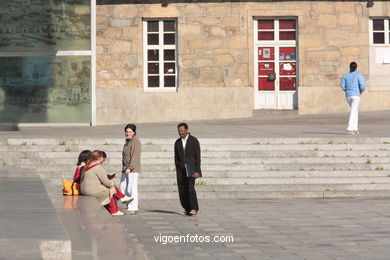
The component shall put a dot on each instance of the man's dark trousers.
(187, 193)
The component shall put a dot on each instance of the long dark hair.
(84, 157)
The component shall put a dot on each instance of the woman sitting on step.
(95, 182)
(82, 161)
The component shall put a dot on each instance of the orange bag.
(71, 188)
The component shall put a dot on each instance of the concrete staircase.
(232, 168)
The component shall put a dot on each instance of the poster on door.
(287, 68)
(287, 53)
(266, 53)
(266, 67)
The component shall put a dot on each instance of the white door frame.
(274, 99)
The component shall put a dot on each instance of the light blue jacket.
(353, 84)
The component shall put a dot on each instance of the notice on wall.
(382, 55)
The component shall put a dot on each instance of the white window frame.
(386, 31)
(160, 47)
(276, 31)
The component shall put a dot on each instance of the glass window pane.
(287, 53)
(169, 38)
(152, 26)
(169, 55)
(287, 83)
(152, 39)
(266, 67)
(42, 25)
(169, 81)
(153, 81)
(378, 24)
(265, 84)
(287, 68)
(153, 55)
(45, 89)
(153, 68)
(287, 24)
(285, 36)
(169, 26)
(265, 24)
(379, 37)
(265, 36)
(169, 68)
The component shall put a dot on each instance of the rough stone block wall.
(215, 50)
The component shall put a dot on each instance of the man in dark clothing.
(187, 159)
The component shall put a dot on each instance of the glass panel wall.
(39, 84)
(42, 25)
(45, 89)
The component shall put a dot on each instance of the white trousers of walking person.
(129, 187)
(353, 102)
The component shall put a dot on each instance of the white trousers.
(353, 102)
(129, 187)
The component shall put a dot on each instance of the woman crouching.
(95, 182)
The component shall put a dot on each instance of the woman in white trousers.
(353, 84)
(131, 168)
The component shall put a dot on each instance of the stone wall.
(215, 49)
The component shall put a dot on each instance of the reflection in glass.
(152, 39)
(265, 36)
(266, 24)
(169, 38)
(265, 84)
(169, 68)
(152, 26)
(153, 68)
(42, 25)
(286, 36)
(379, 37)
(169, 81)
(169, 26)
(153, 81)
(287, 24)
(378, 24)
(45, 89)
(153, 55)
(287, 83)
(169, 55)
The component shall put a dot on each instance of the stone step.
(206, 147)
(234, 176)
(271, 195)
(270, 187)
(117, 155)
(219, 161)
(206, 141)
(262, 181)
(225, 167)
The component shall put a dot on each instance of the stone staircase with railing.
(233, 168)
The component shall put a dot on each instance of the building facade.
(181, 60)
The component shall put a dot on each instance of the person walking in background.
(187, 163)
(353, 84)
(131, 167)
(94, 182)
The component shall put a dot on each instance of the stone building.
(222, 52)
(167, 60)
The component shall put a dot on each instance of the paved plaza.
(290, 229)
(312, 229)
